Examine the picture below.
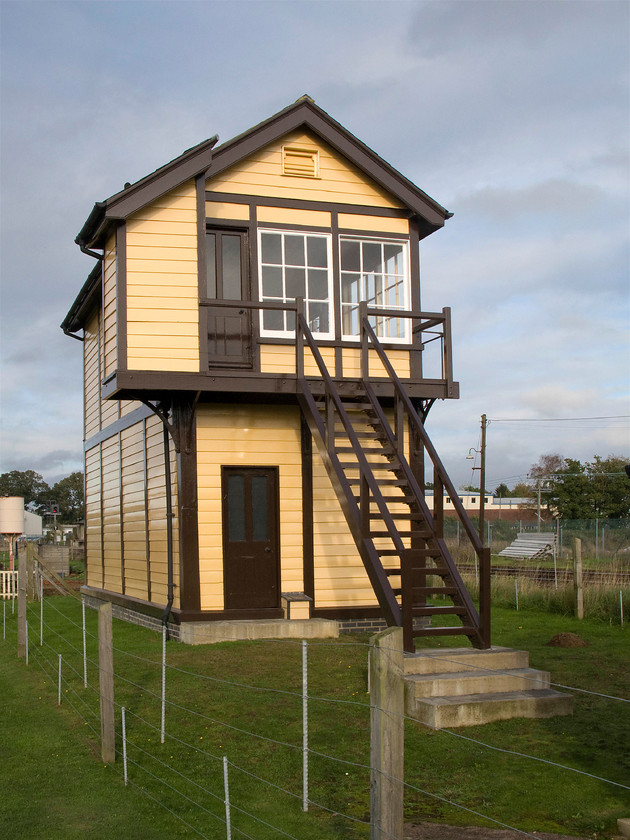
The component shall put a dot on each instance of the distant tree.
(575, 490)
(69, 495)
(502, 491)
(521, 491)
(27, 484)
(469, 488)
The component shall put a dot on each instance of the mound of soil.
(567, 640)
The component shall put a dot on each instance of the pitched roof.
(303, 113)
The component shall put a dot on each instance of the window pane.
(372, 257)
(290, 321)
(350, 256)
(272, 281)
(318, 317)
(350, 285)
(273, 319)
(231, 265)
(236, 508)
(260, 508)
(394, 259)
(271, 248)
(317, 252)
(211, 265)
(296, 282)
(294, 250)
(317, 284)
(350, 315)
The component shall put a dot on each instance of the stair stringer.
(352, 513)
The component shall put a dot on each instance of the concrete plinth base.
(211, 632)
(623, 826)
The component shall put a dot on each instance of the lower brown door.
(251, 552)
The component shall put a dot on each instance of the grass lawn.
(56, 786)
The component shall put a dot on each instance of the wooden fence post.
(30, 575)
(21, 629)
(106, 682)
(387, 735)
(577, 578)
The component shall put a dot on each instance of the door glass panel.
(236, 508)
(231, 266)
(260, 510)
(211, 265)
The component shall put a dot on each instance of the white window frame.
(267, 333)
(405, 338)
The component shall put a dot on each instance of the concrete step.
(476, 709)
(466, 683)
(445, 660)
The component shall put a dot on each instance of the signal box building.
(257, 372)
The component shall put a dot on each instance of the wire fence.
(215, 735)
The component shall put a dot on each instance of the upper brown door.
(251, 556)
(227, 280)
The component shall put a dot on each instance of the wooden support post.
(21, 630)
(387, 738)
(30, 576)
(106, 682)
(577, 578)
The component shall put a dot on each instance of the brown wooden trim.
(120, 425)
(307, 511)
(336, 271)
(226, 615)
(147, 539)
(347, 612)
(189, 584)
(415, 355)
(200, 193)
(306, 204)
(121, 296)
(100, 327)
(254, 280)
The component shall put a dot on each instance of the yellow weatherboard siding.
(338, 181)
(110, 332)
(280, 358)
(162, 285)
(375, 224)
(291, 216)
(227, 210)
(91, 375)
(257, 435)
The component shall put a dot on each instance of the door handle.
(267, 549)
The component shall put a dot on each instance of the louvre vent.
(300, 161)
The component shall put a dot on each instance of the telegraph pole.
(482, 479)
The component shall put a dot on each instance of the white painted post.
(106, 682)
(304, 725)
(516, 591)
(26, 641)
(84, 647)
(59, 682)
(621, 606)
(387, 735)
(163, 683)
(124, 743)
(4, 618)
(226, 788)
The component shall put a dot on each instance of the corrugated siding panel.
(248, 436)
(91, 375)
(162, 288)
(339, 181)
(110, 349)
(94, 547)
(132, 441)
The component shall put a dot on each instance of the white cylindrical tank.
(11, 515)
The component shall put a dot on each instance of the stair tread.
(492, 697)
(528, 673)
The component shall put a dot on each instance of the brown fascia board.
(122, 204)
(83, 301)
(305, 114)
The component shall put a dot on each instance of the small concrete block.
(623, 826)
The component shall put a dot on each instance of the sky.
(512, 114)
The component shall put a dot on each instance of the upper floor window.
(377, 272)
(296, 265)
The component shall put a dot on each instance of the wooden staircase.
(365, 448)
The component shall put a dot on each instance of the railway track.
(548, 575)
